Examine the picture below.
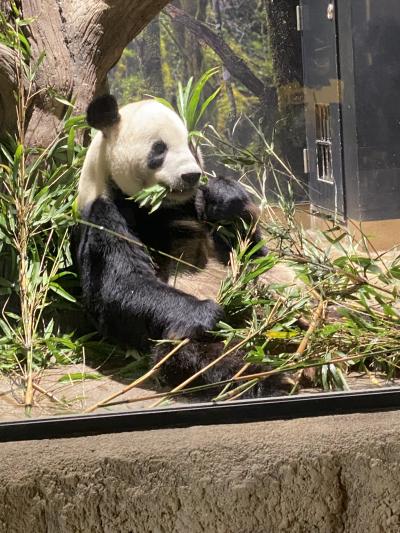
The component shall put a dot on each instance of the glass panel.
(197, 259)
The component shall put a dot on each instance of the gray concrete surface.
(322, 475)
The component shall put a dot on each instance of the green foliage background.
(244, 29)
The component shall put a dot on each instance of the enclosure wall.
(330, 474)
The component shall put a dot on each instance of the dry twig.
(309, 373)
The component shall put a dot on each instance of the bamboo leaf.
(79, 376)
(55, 287)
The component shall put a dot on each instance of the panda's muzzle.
(184, 185)
(184, 188)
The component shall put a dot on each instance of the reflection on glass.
(318, 312)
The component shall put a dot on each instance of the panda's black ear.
(102, 112)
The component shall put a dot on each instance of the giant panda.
(123, 275)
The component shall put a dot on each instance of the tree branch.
(82, 41)
(234, 64)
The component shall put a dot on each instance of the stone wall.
(322, 475)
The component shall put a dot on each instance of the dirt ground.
(67, 395)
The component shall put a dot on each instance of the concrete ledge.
(322, 475)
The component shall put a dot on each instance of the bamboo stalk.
(238, 391)
(294, 366)
(139, 380)
(47, 393)
(162, 394)
(29, 388)
(315, 320)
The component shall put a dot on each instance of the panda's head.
(143, 144)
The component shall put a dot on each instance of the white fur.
(121, 152)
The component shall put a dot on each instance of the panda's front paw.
(196, 322)
(225, 199)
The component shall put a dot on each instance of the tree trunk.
(82, 41)
(191, 51)
(150, 58)
(197, 10)
(226, 75)
(179, 34)
(8, 84)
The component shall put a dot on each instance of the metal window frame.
(202, 414)
(323, 143)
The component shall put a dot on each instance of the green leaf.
(5, 291)
(281, 334)
(8, 332)
(78, 121)
(63, 101)
(254, 249)
(63, 274)
(24, 42)
(258, 272)
(152, 196)
(55, 287)
(71, 145)
(165, 102)
(78, 376)
(206, 104)
(75, 209)
(395, 272)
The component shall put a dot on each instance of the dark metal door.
(322, 98)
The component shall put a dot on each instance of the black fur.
(120, 285)
(102, 112)
(124, 279)
(224, 201)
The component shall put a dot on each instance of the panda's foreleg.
(121, 289)
(224, 201)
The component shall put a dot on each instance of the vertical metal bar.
(299, 18)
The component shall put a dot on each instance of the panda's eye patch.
(157, 155)
(159, 147)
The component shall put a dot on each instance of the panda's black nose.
(191, 179)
